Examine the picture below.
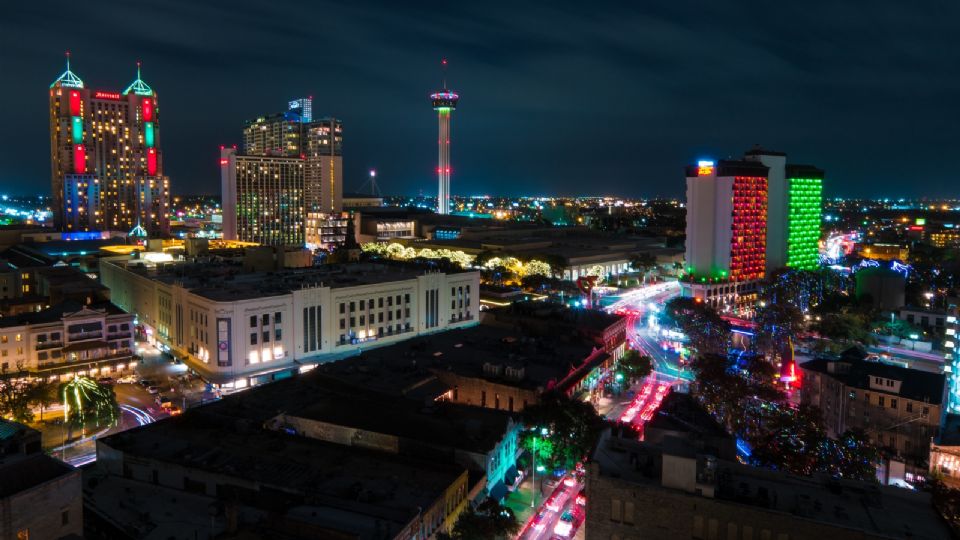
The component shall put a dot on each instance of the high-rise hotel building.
(794, 211)
(291, 166)
(105, 158)
(726, 232)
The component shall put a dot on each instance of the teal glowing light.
(77, 128)
(148, 133)
(67, 79)
(139, 87)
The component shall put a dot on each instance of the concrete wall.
(53, 509)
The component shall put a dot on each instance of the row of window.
(369, 303)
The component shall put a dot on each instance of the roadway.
(138, 406)
(559, 515)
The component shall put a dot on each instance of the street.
(560, 514)
(137, 406)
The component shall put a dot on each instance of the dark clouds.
(557, 97)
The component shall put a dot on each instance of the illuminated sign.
(106, 95)
(704, 168)
(224, 162)
(295, 104)
(921, 221)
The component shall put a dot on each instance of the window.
(453, 304)
(909, 406)
(406, 298)
(343, 307)
(390, 301)
(23, 534)
(925, 411)
(363, 320)
(266, 336)
(253, 338)
(628, 512)
(370, 304)
(881, 401)
(276, 318)
(266, 319)
(483, 398)
(278, 334)
(380, 302)
(65, 517)
(353, 322)
(398, 299)
(616, 512)
(353, 306)
(853, 395)
(893, 403)
(343, 324)
(56, 335)
(3, 339)
(380, 317)
(253, 321)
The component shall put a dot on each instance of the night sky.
(565, 98)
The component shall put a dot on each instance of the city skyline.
(529, 123)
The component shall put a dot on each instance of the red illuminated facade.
(106, 162)
(748, 242)
(726, 233)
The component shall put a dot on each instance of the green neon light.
(443, 110)
(148, 133)
(804, 222)
(77, 125)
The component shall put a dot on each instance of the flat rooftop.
(371, 485)
(874, 509)
(30, 471)
(465, 351)
(223, 280)
(317, 395)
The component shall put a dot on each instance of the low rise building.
(68, 339)
(239, 327)
(683, 483)
(209, 473)
(40, 497)
(900, 409)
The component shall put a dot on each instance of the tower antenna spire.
(443, 71)
(138, 70)
(68, 60)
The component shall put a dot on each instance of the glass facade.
(803, 225)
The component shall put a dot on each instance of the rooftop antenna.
(372, 181)
(68, 60)
(443, 70)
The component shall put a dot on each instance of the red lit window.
(79, 159)
(148, 110)
(74, 103)
(152, 161)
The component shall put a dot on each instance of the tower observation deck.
(444, 102)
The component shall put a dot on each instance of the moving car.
(153, 389)
(106, 380)
(565, 525)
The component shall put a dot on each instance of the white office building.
(239, 328)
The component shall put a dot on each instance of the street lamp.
(533, 470)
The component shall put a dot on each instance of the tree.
(484, 256)
(20, 394)
(572, 426)
(643, 263)
(489, 520)
(87, 401)
(635, 366)
(791, 440)
(777, 324)
(707, 331)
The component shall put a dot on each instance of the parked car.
(146, 383)
(106, 380)
(129, 379)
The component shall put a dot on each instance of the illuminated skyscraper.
(319, 142)
(726, 232)
(262, 198)
(444, 102)
(106, 165)
(794, 208)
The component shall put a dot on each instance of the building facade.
(105, 158)
(794, 211)
(726, 232)
(263, 199)
(40, 496)
(242, 328)
(898, 408)
(68, 339)
(291, 166)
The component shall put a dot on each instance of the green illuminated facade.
(805, 209)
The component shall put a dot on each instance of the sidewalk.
(519, 501)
